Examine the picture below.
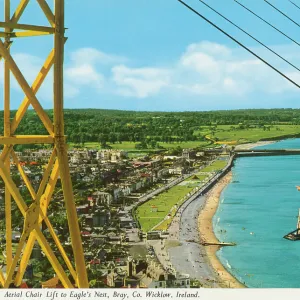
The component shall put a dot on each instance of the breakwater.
(266, 152)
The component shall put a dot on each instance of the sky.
(158, 55)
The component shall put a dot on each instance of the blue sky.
(157, 55)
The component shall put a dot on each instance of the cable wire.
(239, 43)
(262, 19)
(251, 36)
(282, 13)
(295, 4)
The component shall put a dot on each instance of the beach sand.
(253, 145)
(207, 233)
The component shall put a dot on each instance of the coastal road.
(128, 209)
(149, 195)
(133, 234)
(190, 257)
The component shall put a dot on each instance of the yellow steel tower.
(36, 212)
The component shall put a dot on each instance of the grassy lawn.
(94, 145)
(89, 145)
(202, 177)
(190, 182)
(184, 145)
(164, 202)
(215, 166)
(124, 146)
(136, 154)
(225, 133)
(130, 146)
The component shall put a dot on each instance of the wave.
(228, 265)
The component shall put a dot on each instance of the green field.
(164, 202)
(89, 145)
(130, 146)
(219, 133)
(233, 133)
(215, 166)
(184, 145)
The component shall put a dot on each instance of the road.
(132, 234)
(148, 196)
(189, 257)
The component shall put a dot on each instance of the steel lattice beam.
(36, 213)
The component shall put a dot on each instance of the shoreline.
(253, 145)
(205, 227)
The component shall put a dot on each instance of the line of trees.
(111, 126)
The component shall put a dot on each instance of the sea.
(256, 210)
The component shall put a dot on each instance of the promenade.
(182, 251)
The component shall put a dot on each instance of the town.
(127, 208)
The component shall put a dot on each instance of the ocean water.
(256, 210)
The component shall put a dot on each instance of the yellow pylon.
(36, 212)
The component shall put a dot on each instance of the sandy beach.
(207, 233)
(253, 145)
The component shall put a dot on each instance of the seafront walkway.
(183, 250)
(130, 209)
(160, 190)
(178, 253)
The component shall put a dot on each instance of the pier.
(217, 244)
(211, 243)
(264, 152)
(255, 152)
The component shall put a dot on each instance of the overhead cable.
(282, 13)
(251, 36)
(295, 4)
(239, 43)
(262, 19)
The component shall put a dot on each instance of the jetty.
(204, 243)
(256, 152)
(265, 152)
(217, 244)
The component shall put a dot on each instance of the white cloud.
(85, 70)
(208, 47)
(204, 69)
(207, 69)
(94, 56)
(213, 69)
(84, 74)
(139, 82)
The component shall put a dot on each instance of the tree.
(153, 144)
(102, 140)
(112, 138)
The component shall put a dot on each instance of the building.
(101, 218)
(176, 171)
(179, 281)
(111, 155)
(188, 154)
(102, 198)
